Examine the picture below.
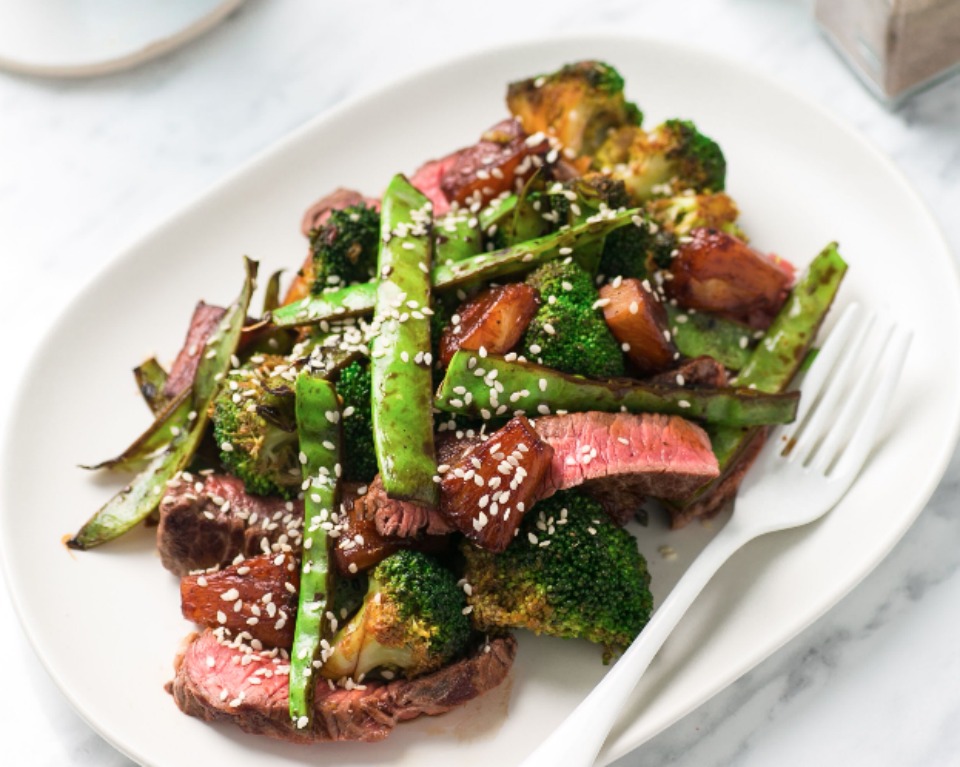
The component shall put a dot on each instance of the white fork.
(803, 471)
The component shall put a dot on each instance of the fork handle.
(577, 741)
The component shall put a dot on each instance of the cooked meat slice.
(639, 322)
(723, 491)
(487, 491)
(494, 319)
(208, 521)
(204, 321)
(656, 455)
(257, 595)
(697, 373)
(427, 180)
(222, 680)
(402, 519)
(716, 272)
(493, 165)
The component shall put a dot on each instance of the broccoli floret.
(570, 572)
(411, 621)
(360, 459)
(568, 333)
(682, 213)
(670, 159)
(637, 251)
(254, 425)
(630, 251)
(345, 247)
(579, 105)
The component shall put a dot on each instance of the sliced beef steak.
(723, 491)
(219, 680)
(401, 519)
(622, 458)
(205, 319)
(207, 521)
(695, 373)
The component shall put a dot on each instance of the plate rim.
(133, 58)
(332, 113)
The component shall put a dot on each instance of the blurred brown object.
(897, 47)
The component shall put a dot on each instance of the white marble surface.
(86, 167)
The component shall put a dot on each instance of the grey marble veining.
(86, 167)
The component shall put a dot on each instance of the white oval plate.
(106, 623)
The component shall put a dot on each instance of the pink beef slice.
(214, 681)
(661, 456)
(207, 521)
(202, 325)
(722, 492)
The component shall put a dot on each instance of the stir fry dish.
(450, 425)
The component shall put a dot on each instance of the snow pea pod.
(400, 357)
(499, 388)
(318, 426)
(140, 498)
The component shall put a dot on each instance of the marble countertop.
(88, 166)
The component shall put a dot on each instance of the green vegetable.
(353, 386)
(141, 497)
(318, 424)
(151, 377)
(456, 236)
(271, 294)
(568, 332)
(683, 213)
(342, 303)
(345, 247)
(254, 426)
(411, 621)
(578, 104)
(169, 422)
(778, 356)
(698, 333)
(524, 387)
(670, 159)
(570, 573)
(356, 300)
(402, 391)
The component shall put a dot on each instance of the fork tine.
(827, 357)
(820, 411)
(864, 432)
(847, 415)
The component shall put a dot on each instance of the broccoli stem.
(534, 389)
(359, 299)
(318, 427)
(141, 497)
(728, 342)
(401, 361)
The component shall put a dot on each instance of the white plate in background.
(84, 38)
(106, 623)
